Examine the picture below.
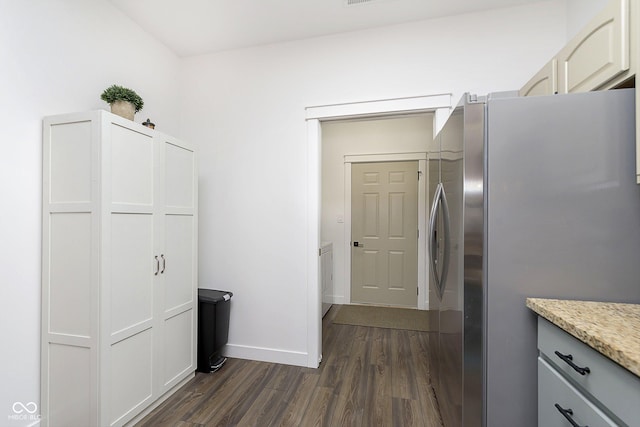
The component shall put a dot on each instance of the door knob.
(358, 245)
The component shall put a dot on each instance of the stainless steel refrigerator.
(531, 197)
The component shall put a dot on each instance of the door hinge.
(418, 291)
(419, 175)
(319, 251)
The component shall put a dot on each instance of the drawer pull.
(568, 359)
(567, 413)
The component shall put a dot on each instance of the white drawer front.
(556, 394)
(615, 387)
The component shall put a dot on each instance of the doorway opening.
(319, 212)
(346, 146)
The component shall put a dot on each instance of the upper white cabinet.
(598, 53)
(545, 82)
(119, 273)
(598, 57)
(604, 55)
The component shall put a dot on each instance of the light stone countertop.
(613, 329)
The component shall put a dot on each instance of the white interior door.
(384, 230)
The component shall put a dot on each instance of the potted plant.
(124, 102)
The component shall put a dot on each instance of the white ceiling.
(193, 27)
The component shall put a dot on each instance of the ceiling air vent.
(352, 2)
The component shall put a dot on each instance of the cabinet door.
(545, 82)
(598, 53)
(177, 289)
(128, 287)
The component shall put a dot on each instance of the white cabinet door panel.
(69, 387)
(599, 52)
(131, 374)
(132, 270)
(179, 274)
(178, 345)
(70, 163)
(132, 167)
(545, 82)
(70, 274)
(179, 172)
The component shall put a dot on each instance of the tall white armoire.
(119, 269)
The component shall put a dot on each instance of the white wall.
(580, 12)
(57, 56)
(246, 110)
(406, 134)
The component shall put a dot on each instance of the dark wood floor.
(368, 377)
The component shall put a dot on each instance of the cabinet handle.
(157, 265)
(568, 359)
(164, 263)
(567, 413)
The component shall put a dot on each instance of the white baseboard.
(338, 299)
(262, 354)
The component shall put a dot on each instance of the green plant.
(118, 93)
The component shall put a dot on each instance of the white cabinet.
(598, 53)
(545, 82)
(577, 382)
(598, 57)
(119, 268)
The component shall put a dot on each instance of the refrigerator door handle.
(447, 242)
(433, 250)
(440, 199)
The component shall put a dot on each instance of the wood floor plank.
(263, 409)
(320, 410)
(180, 403)
(378, 410)
(369, 377)
(284, 375)
(429, 406)
(219, 402)
(333, 366)
(406, 413)
(403, 376)
(419, 347)
(245, 395)
(297, 401)
(351, 394)
(381, 347)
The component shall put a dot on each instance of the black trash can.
(213, 328)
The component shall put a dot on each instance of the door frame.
(421, 158)
(440, 104)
